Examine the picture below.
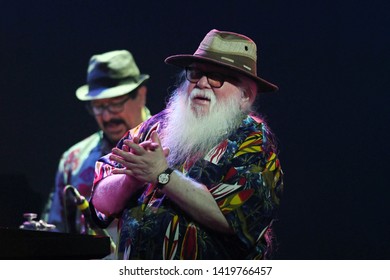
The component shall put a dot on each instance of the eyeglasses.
(114, 107)
(215, 80)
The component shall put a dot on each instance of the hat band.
(109, 82)
(237, 61)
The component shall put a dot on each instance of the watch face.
(163, 178)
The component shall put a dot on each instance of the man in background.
(115, 94)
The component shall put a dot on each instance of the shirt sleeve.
(103, 169)
(250, 191)
(54, 213)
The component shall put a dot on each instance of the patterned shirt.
(76, 168)
(243, 175)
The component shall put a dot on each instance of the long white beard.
(191, 134)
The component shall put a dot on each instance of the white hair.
(190, 134)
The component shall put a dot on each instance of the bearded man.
(201, 179)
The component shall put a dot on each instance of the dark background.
(330, 60)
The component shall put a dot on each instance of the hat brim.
(84, 94)
(184, 60)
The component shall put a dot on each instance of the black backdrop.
(330, 60)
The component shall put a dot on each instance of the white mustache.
(202, 93)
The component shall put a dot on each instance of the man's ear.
(141, 94)
(244, 101)
(249, 92)
(245, 96)
(248, 96)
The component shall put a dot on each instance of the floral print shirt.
(244, 176)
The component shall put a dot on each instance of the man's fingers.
(166, 151)
(155, 138)
(123, 158)
(125, 148)
(134, 148)
(122, 171)
(136, 139)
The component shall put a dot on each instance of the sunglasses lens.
(214, 79)
(193, 75)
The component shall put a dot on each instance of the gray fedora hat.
(111, 74)
(230, 50)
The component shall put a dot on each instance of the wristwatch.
(163, 178)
